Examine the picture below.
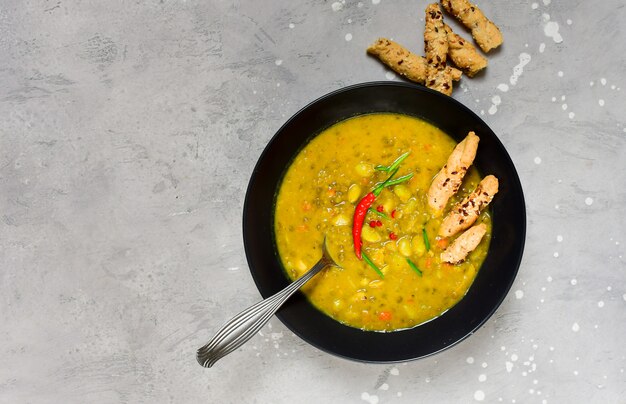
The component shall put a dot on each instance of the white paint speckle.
(551, 29)
(542, 47)
(469, 360)
(591, 84)
(546, 2)
(609, 288)
(571, 115)
(390, 75)
(479, 395)
(493, 109)
(537, 160)
(534, 6)
(370, 398)
(601, 102)
(375, 1)
(394, 371)
(482, 377)
(564, 107)
(588, 201)
(519, 294)
(349, 20)
(549, 279)
(514, 357)
(399, 394)
(336, 6)
(484, 364)
(575, 327)
(503, 87)
(600, 304)
(559, 238)
(292, 25)
(518, 70)
(509, 366)
(555, 255)
(384, 386)
(278, 62)
(560, 74)
(348, 37)
(562, 98)
(603, 81)
(573, 282)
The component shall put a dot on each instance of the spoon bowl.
(246, 324)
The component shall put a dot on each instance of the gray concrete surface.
(128, 133)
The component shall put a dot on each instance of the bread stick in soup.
(465, 213)
(449, 178)
(464, 244)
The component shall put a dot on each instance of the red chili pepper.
(372, 223)
(393, 236)
(357, 223)
(364, 204)
(393, 214)
(379, 223)
(380, 208)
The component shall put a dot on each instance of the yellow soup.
(318, 196)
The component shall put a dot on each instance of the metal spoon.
(246, 324)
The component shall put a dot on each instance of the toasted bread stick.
(485, 32)
(436, 47)
(464, 54)
(449, 178)
(402, 61)
(464, 244)
(465, 213)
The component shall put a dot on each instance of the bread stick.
(465, 213)
(464, 244)
(402, 61)
(436, 47)
(449, 178)
(485, 32)
(463, 54)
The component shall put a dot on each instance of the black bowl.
(494, 278)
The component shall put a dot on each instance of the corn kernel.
(354, 192)
(402, 192)
(371, 235)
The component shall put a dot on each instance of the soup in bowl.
(427, 305)
(402, 280)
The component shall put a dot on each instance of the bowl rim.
(521, 232)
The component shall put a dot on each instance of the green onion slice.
(374, 267)
(414, 267)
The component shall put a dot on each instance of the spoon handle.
(246, 324)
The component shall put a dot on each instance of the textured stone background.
(128, 132)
